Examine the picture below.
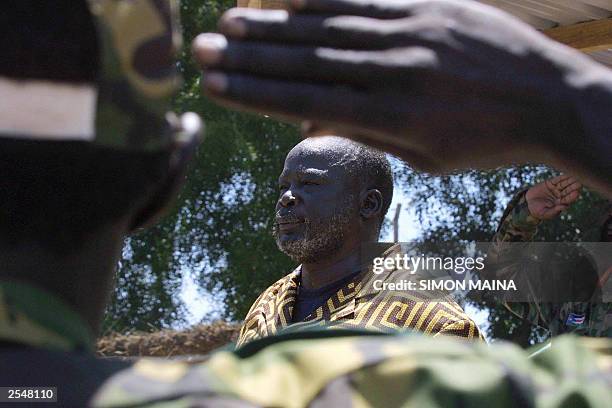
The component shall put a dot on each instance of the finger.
(414, 159)
(575, 186)
(552, 188)
(570, 197)
(306, 101)
(349, 111)
(271, 25)
(352, 32)
(214, 85)
(564, 183)
(556, 180)
(369, 8)
(394, 68)
(604, 278)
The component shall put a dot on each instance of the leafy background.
(219, 230)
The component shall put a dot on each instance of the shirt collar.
(35, 317)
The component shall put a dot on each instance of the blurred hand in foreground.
(443, 84)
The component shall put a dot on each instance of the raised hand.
(444, 84)
(548, 199)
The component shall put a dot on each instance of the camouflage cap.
(127, 108)
(140, 39)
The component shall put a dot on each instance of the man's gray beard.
(323, 238)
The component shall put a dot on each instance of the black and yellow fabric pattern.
(357, 305)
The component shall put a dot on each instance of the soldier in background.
(529, 207)
(86, 156)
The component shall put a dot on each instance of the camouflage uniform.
(43, 342)
(358, 305)
(584, 318)
(139, 43)
(402, 370)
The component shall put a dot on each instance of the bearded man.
(334, 194)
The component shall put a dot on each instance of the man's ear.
(180, 157)
(371, 204)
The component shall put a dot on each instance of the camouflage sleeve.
(374, 371)
(517, 223)
(517, 226)
(139, 78)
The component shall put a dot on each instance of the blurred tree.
(220, 229)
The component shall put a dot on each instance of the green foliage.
(147, 281)
(220, 229)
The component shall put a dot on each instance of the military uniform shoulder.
(334, 371)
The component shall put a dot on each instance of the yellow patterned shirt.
(357, 305)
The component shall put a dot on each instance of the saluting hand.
(444, 84)
(548, 199)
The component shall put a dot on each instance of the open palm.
(548, 199)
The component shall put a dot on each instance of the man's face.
(318, 202)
